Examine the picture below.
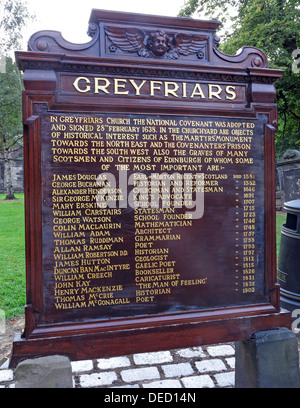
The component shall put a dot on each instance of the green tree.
(10, 119)
(13, 17)
(274, 27)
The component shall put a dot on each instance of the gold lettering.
(76, 84)
(136, 87)
(102, 88)
(212, 93)
(198, 91)
(171, 91)
(121, 86)
(120, 83)
(154, 85)
(231, 91)
(184, 90)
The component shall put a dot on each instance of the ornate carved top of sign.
(149, 39)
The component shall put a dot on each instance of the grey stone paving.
(197, 367)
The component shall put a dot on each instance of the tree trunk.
(7, 173)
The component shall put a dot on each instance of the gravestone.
(288, 169)
(269, 359)
(44, 372)
(149, 190)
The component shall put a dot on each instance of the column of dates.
(249, 219)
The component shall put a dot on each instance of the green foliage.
(272, 26)
(288, 99)
(189, 8)
(10, 103)
(10, 119)
(12, 256)
(13, 17)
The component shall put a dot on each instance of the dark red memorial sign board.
(149, 180)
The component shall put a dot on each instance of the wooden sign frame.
(122, 69)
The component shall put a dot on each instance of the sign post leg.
(269, 359)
